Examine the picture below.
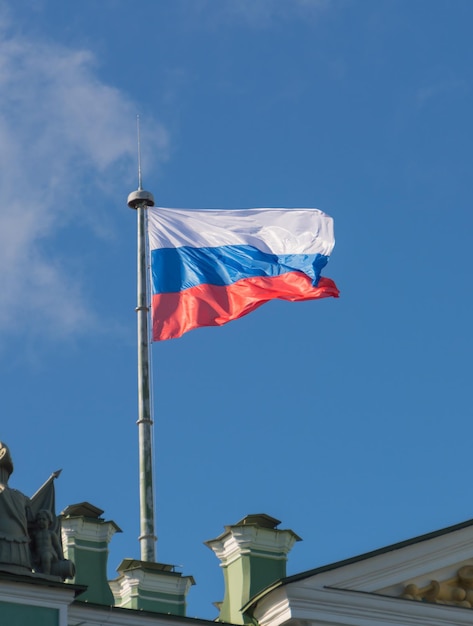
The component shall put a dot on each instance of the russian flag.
(209, 267)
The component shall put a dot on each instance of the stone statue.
(47, 550)
(15, 514)
(28, 542)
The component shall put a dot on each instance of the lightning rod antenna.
(138, 135)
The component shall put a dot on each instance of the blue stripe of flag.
(176, 269)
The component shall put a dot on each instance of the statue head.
(44, 518)
(6, 462)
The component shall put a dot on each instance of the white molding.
(367, 591)
(73, 528)
(135, 583)
(72, 545)
(291, 606)
(252, 540)
(443, 553)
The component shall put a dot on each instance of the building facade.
(426, 580)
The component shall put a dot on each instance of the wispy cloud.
(61, 129)
(263, 13)
(434, 90)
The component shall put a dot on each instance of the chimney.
(85, 538)
(253, 554)
(148, 586)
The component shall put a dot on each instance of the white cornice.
(442, 553)
(245, 540)
(39, 595)
(80, 528)
(154, 582)
(291, 606)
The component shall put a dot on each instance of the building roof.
(356, 559)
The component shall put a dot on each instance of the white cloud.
(60, 126)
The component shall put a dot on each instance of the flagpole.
(140, 200)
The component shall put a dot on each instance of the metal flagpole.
(140, 200)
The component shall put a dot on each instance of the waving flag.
(209, 267)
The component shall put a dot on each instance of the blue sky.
(350, 420)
